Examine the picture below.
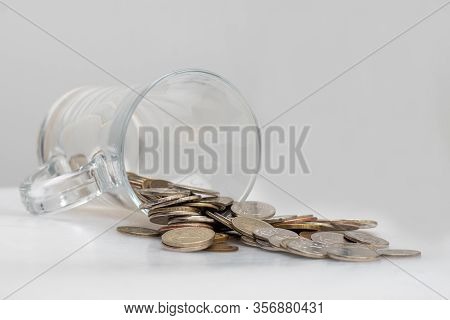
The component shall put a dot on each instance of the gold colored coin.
(306, 234)
(318, 226)
(204, 205)
(220, 237)
(175, 201)
(221, 247)
(188, 249)
(184, 225)
(188, 237)
(178, 209)
(138, 231)
(190, 219)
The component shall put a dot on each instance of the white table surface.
(55, 257)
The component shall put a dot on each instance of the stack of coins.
(195, 219)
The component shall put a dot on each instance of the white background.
(379, 146)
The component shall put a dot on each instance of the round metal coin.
(280, 218)
(189, 249)
(221, 247)
(246, 226)
(328, 237)
(306, 234)
(306, 248)
(366, 238)
(398, 252)
(188, 237)
(220, 237)
(138, 231)
(352, 253)
(185, 225)
(280, 235)
(220, 201)
(254, 209)
(201, 219)
(264, 233)
(249, 241)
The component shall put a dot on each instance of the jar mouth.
(144, 91)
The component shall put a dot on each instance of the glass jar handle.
(55, 187)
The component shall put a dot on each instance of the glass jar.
(93, 136)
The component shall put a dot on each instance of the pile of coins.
(194, 219)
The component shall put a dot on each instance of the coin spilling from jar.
(190, 219)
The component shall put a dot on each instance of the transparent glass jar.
(91, 138)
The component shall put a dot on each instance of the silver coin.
(219, 218)
(156, 183)
(175, 209)
(264, 233)
(222, 201)
(280, 218)
(205, 205)
(366, 238)
(249, 241)
(190, 219)
(165, 200)
(281, 234)
(352, 253)
(262, 243)
(254, 209)
(267, 246)
(398, 252)
(163, 218)
(195, 189)
(306, 248)
(246, 225)
(173, 202)
(163, 191)
(175, 213)
(328, 237)
(227, 214)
